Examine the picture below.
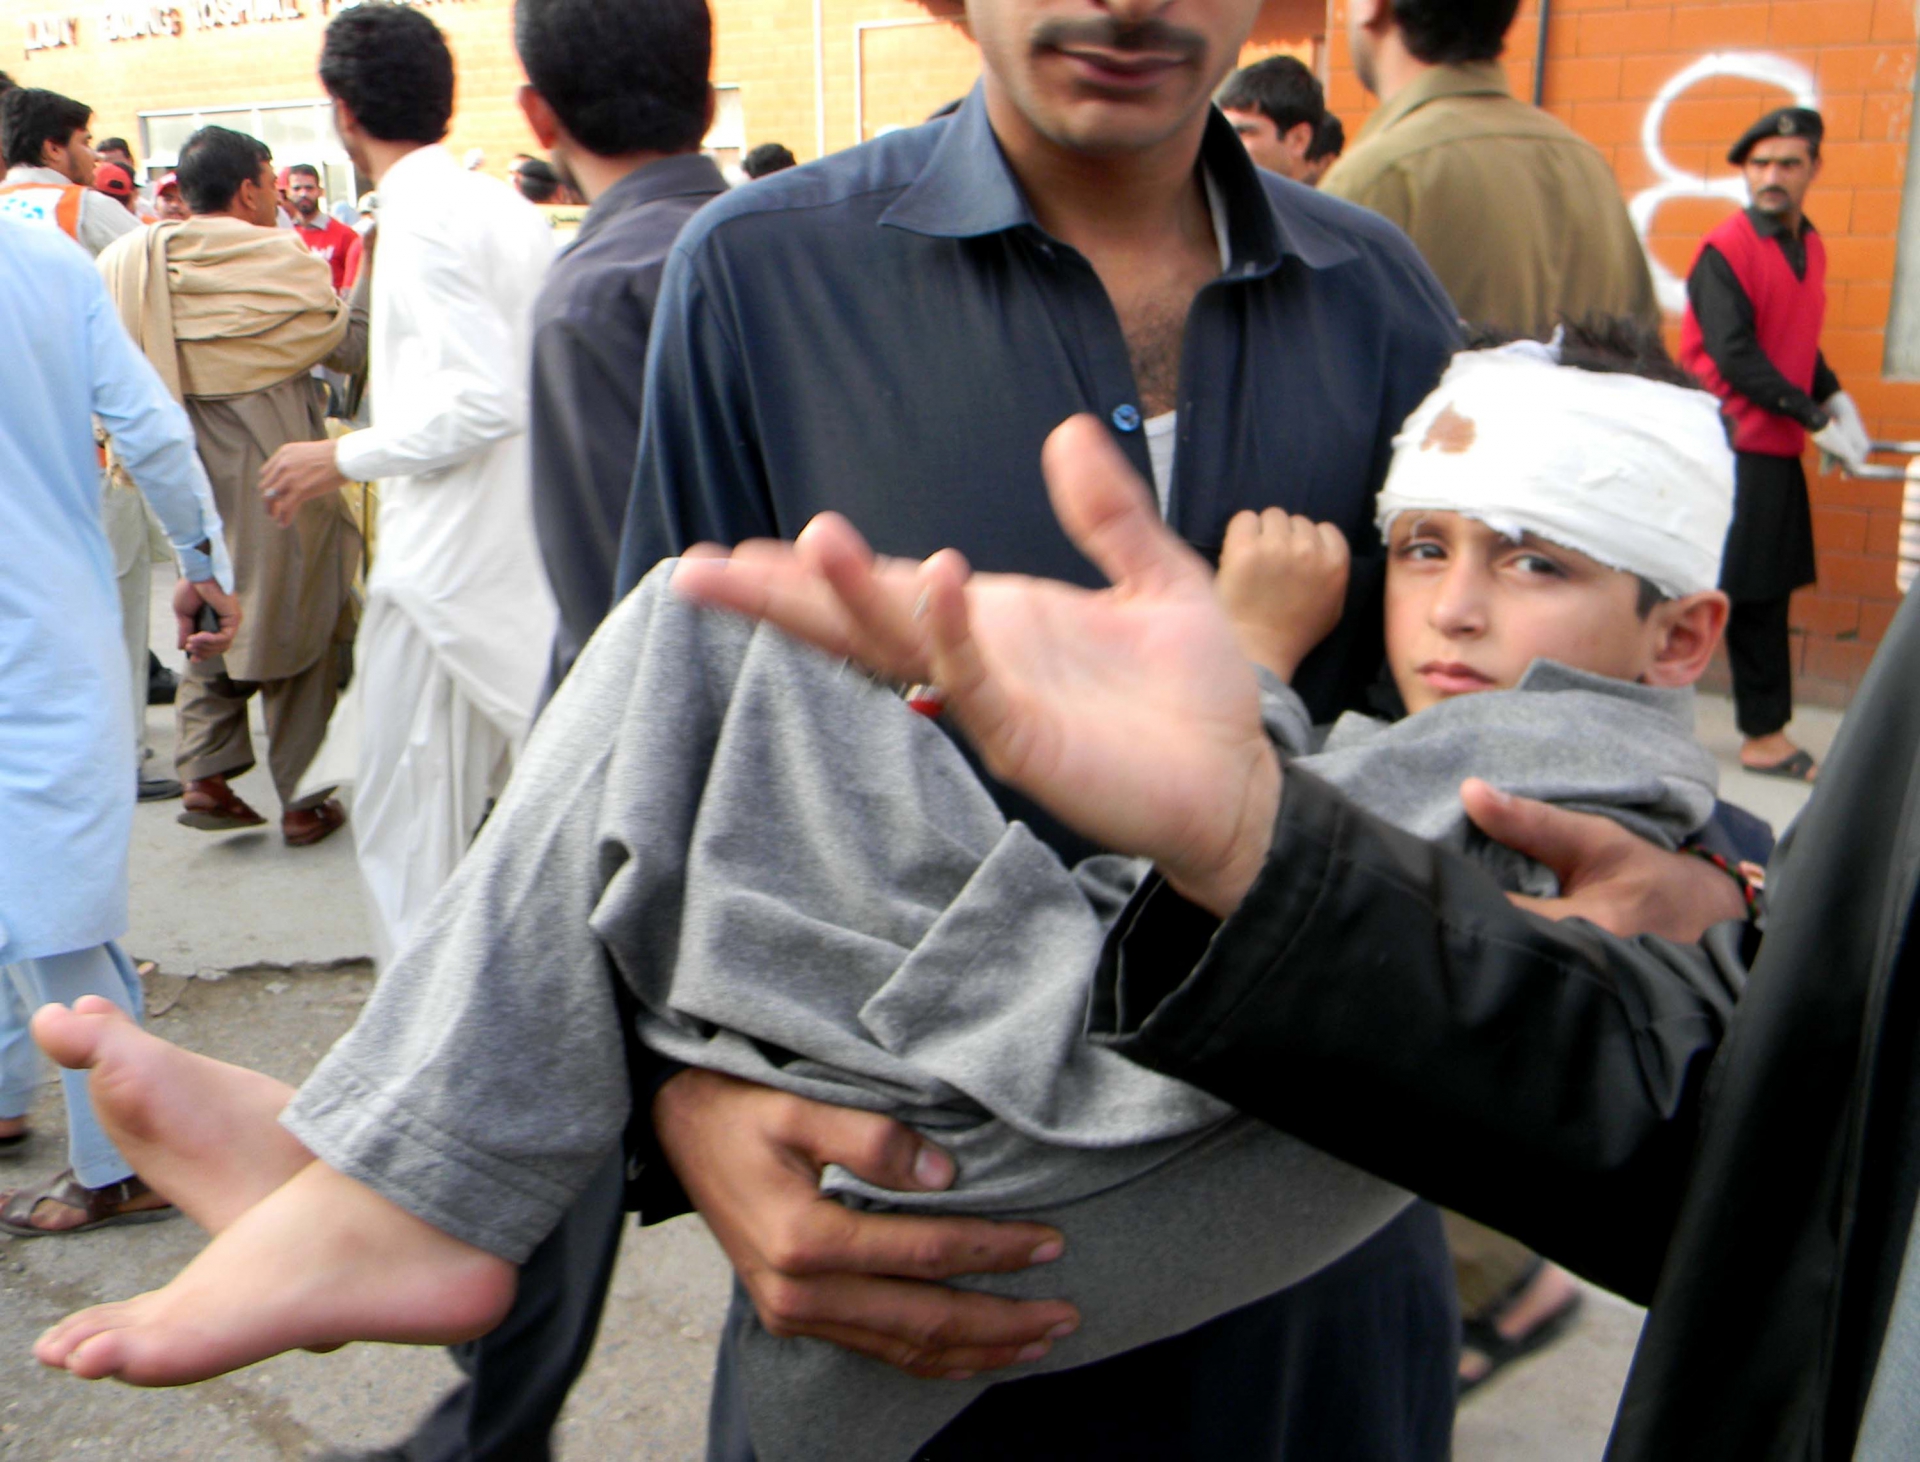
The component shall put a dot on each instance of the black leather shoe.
(162, 684)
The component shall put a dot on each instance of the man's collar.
(23, 173)
(433, 157)
(685, 175)
(1466, 78)
(1770, 226)
(967, 189)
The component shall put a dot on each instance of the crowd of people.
(1239, 495)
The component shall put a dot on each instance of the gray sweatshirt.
(804, 885)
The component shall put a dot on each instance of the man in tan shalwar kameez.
(234, 314)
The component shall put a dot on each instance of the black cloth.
(889, 333)
(590, 328)
(1760, 654)
(1769, 551)
(519, 1374)
(1747, 1171)
(1341, 1392)
(1725, 313)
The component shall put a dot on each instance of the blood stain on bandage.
(1450, 432)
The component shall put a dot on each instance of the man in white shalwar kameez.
(66, 711)
(452, 649)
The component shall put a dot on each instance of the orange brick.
(1815, 613)
(1641, 77)
(1893, 21)
(1607, 124)
(1624, 32)
(1859, 259)
(1862, 164)
(1885, 116)
(1843, 660)
(1865, 306)
(1840, 530)
(1820, 22)
(1583, 79)
(1876, 616)
(1860, 492)
(1718, 27)
(1883, 534)
(1854, 573)
(1842, 114)
(1864, 68)
(1713, 122)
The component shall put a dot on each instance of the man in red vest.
(1756, 297)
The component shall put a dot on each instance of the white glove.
(1845, 435)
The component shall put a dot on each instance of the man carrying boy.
(1592, 616)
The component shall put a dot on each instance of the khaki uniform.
(1518, 216)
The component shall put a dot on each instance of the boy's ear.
(1686, 631)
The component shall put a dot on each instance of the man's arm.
(585, 426)
(469, 389)
(700, 476)
(350, 355)
(1732, 343)
(1385, 1001)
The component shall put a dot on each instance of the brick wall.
(1610, 63)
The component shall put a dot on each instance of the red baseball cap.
(113, 180)
(170, 182)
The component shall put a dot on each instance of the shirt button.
(1127, 417)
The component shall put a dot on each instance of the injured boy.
(803, 884)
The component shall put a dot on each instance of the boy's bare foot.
(320, 1261)
(200, 1132)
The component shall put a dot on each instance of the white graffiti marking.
(1676, 182)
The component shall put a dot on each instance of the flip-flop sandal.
(102, 1207)
(1797, 768)
(1482, 1334)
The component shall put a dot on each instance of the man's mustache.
(1151, 37)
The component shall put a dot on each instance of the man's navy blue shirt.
(888, 333)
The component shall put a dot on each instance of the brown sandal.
(212, 806)
(307, 826)
(102, 1207)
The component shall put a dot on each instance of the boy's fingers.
(1109, 513)
(775, 588)
(884, 1152)
(1243, 531)
(877, 595)
(978, 700)
(1332, 540)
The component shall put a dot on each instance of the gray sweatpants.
(803, 884)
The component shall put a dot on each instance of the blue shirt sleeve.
(699, 476)
(154, 442)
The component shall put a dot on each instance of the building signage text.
(48, 32)
(134, 23)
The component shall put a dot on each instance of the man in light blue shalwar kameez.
(66, 718)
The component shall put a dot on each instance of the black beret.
(1783, 122)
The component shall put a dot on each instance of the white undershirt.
(1163, 436)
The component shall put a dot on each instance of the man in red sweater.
(323, 234)
(1756, 297)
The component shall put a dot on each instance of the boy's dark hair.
(1329, 139)
(306, 169)
(392, 68)
(1280, 88)
(768, 157)
(113, 144)
(1609, 345)
(1446, 32)
(214, 163)
(621, 75)
(536, 180)
(30, 118)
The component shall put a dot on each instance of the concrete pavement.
(290, 921)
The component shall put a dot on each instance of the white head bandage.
(1635, 474)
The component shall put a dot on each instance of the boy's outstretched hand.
(1130, 713)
